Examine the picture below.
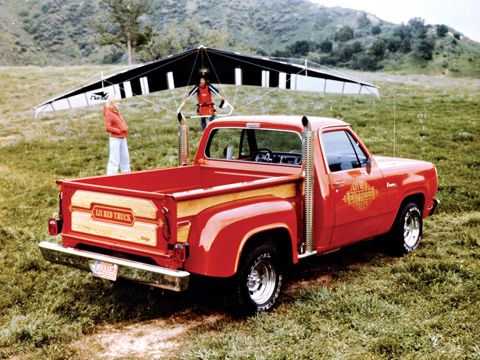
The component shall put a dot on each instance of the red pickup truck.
(263, 193)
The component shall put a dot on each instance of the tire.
(407, 231)
(259, 280)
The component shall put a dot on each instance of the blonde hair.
(111, 101)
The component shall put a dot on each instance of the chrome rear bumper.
(147, 274)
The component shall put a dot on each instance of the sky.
(462, 15)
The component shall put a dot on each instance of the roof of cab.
(316, 122)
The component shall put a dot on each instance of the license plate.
(105, 270)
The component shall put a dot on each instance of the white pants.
(118, 156)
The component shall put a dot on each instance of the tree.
(357, 47)
(365, 62)
(363, 21)
(326, 46)
(376, 30)
(424, 50)
(378, 48)
(406, 45)
(394, 43)
(329, 60)
(344, 34)
(402, 31)
(442, 30)
(186, 34)
(419, 29)
(124, 25)
(344, 53)
(300, 47)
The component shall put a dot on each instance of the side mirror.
(369, 165)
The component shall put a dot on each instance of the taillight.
(54, 226)
(180, 252)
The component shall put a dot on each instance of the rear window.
(255, 145)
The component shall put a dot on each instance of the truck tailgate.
(119, 220)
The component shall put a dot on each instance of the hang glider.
(222, 67)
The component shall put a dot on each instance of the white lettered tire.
(407, 231)
(259, 280)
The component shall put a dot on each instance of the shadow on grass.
(208, 296)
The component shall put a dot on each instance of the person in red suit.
(118, 130)
(205, 104)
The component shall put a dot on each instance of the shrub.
(378, 48)
(365, 62)
(462, 136)
(394, 43)
(357, 47)
(344, 34)
(442, 30)
(326, 46)
(424, 50)
(376, 30)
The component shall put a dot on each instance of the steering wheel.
(262, 155)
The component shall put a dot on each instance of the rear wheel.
(259, 280)
(407, 231)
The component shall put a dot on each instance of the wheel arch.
(220, 234)
(417, 198)
(278, 237)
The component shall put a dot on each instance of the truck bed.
(173, 180)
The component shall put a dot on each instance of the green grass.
(357, 303)
(423, 306)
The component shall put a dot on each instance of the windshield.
(257, 145)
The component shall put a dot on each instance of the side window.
(361, 156)
(342, 151)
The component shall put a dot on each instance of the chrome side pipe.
(183, 143)
(308, 172)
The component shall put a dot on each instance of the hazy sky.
(462, 15)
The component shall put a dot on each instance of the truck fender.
(224, 230)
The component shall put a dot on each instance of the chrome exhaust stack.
(183, 143)
(308, 171)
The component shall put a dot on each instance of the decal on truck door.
(361, 195)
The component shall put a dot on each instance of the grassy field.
(359, 303)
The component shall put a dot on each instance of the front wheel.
(407, 231)
(259, 280)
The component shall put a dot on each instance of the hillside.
(57, 32)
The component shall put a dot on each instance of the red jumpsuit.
(206, 106)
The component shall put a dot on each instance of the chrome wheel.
(407, 230)
(411, 229)
(261, 281)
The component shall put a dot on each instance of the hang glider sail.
(222, 67)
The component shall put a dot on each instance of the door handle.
(338, 183)
(391, 185)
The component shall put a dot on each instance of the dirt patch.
(150, 340)
(155, 339)
(9, 140)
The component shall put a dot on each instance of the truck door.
(358, 190)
